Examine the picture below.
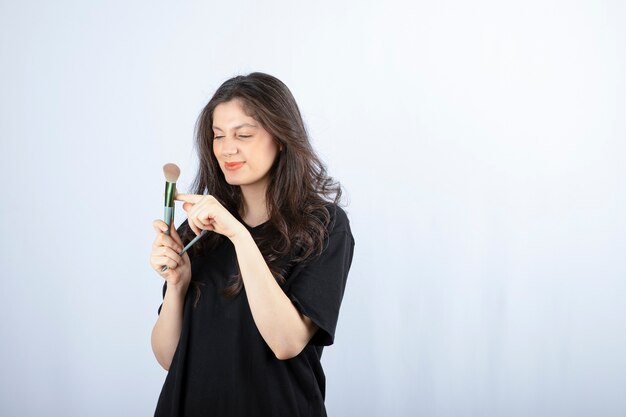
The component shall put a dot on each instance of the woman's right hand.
(165, 250)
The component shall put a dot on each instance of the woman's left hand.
(204, 212)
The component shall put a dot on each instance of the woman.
(247, 311)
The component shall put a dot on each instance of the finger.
(202, 213)
(176, 237)
(195, 227)
(158, 261)
(159, 225)
(189, 198)
(172, 254)
(158, 249)
(162, 261)
(167, 241)
(199, 213)
(167, 258)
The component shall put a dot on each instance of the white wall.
(481, 145)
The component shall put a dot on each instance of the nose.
(228, 146)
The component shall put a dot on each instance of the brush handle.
(168, 218)
(190, 244)
(170, 193)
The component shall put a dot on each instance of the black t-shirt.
(222, 365)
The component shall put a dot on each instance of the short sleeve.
(316, 287)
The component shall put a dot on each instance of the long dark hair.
(299, 188)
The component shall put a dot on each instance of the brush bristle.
(172, 172)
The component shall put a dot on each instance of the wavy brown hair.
(299, 188)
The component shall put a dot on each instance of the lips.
(232, 166)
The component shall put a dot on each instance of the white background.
(481, 144)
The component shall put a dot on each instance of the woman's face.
(244, 149)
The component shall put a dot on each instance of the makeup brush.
(172, 172)
(190, 244)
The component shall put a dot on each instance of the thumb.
(174, 235)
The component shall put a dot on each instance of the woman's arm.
(166, 331)
(165, 251)
(283, 327)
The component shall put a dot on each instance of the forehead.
(231, 115)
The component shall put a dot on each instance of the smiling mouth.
(232, 166)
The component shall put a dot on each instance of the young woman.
(247, 311)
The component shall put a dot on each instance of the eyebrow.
(236, 127)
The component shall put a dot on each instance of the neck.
(254, 204)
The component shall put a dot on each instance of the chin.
(233, 182)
